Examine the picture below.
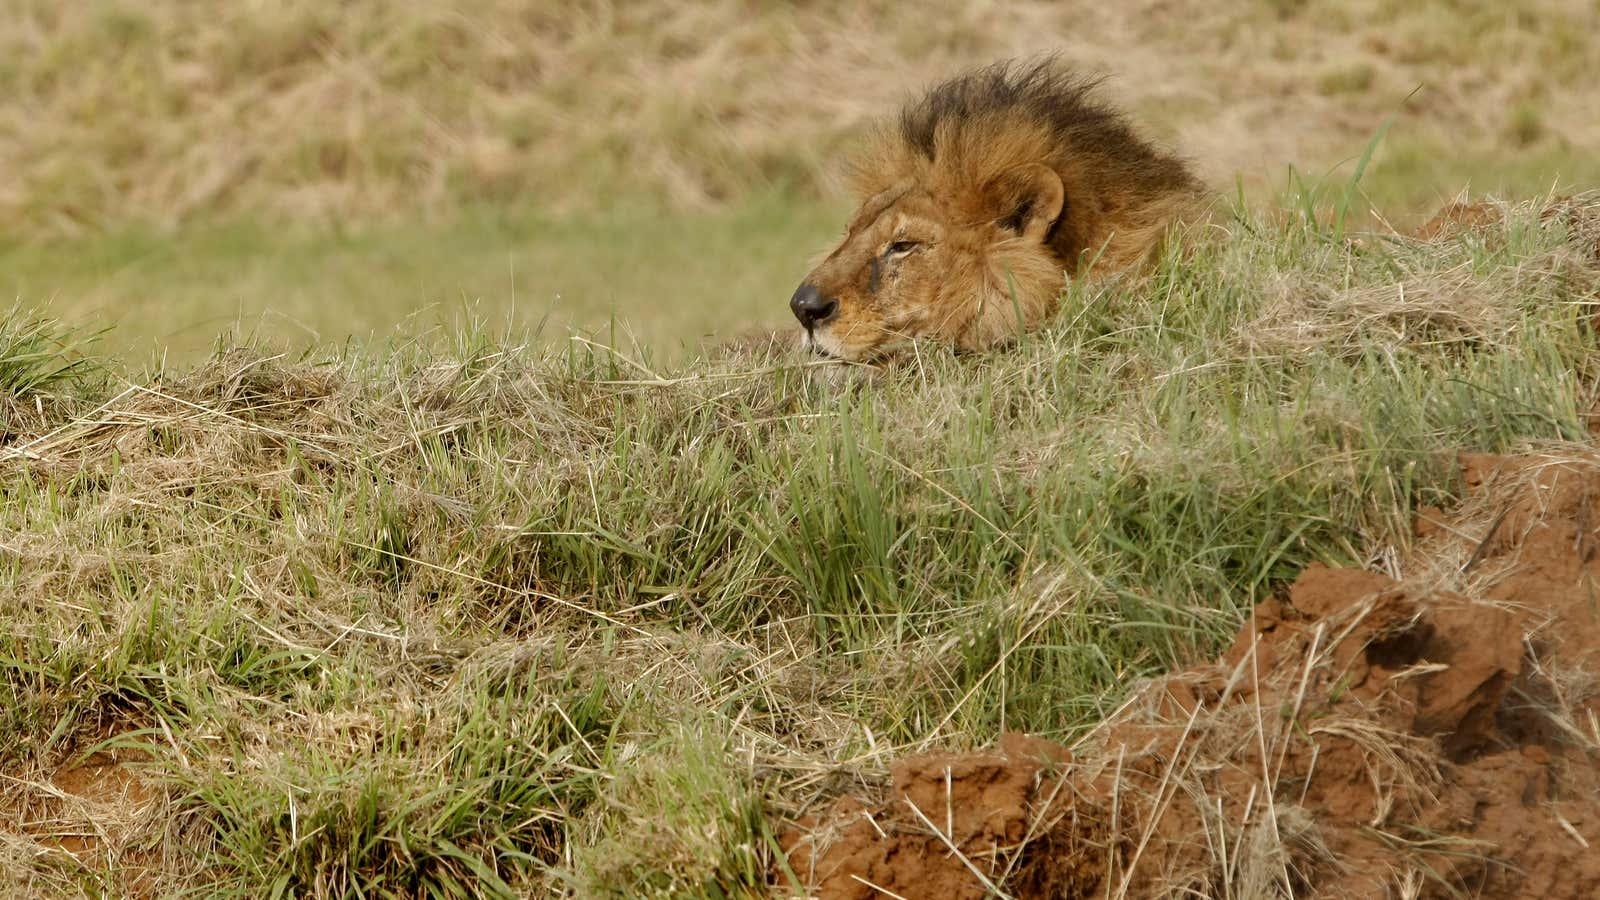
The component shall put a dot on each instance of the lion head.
(978, 204)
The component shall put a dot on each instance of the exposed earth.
(1427, 732)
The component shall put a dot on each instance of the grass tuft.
(38, 353)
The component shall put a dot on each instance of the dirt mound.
(90, 814)
(1433, 735)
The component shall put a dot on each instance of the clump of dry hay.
(1471, 302)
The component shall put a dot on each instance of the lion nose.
(810, 307)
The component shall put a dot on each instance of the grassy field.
(312, 173)
(484, 619)
(383, 514)
(660, 281)
(663, 282)
(627, 276)
(170, 112)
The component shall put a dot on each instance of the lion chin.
(978, 204)
(825, 343)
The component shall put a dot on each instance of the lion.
(978, 204)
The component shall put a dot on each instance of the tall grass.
(495, 621)
(38, 352)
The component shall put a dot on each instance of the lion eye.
(899, 248)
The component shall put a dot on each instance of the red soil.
(1431, 737)
(92, 814)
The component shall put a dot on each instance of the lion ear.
(1026, 199)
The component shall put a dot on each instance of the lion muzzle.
(811, 307)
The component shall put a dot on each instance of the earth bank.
(1427, 732)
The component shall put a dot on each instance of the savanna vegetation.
(306, 171)
(470, 605)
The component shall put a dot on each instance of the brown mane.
(978, 203)
(1121, 190)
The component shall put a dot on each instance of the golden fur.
(979, 202)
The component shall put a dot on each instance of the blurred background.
(657, 172)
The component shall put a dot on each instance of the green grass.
(1415, 172)
(37, 353)
(396, 590)
(667, 280)
(491, 619)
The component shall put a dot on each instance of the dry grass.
(489, 619)
(1422, 304)
(164, 112)
(302, 173)
(471, 615)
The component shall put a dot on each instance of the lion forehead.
(913, 211)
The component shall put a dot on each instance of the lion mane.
(1002, 182)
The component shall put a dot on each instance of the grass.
(37, 353)
(652, 172)
(169, 113)
(636, 274)
(667, 280)
(472, 616)
(372, 598)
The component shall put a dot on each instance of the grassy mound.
(478, 619)
(1431, 736)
